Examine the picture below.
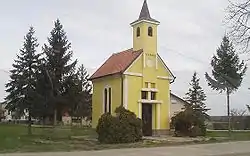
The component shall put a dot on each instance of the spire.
(145, 11)
(145, 15)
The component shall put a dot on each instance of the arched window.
(138, 32)
(110, 98)
(150, 31)
(105, 100)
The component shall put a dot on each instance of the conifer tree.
(21, 86)
(227, 71)
(83, 107)
(59, 67)
(196, 97)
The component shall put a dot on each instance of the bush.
(188, 123)
(125, 127)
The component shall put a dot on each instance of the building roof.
(117, 63)
(225, 118)
(177, 97)
(145, 15)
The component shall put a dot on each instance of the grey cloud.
(191, 29)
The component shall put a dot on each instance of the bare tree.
(237, 19)
(248, 108)
(237, 112)
(238, 118)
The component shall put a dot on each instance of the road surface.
(219, 149)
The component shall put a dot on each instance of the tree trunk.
(55, 117)
(228, 113)
(29, 124)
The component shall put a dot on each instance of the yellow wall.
(150, 73)
(136, 83)
(134, 93)
(97, 100)
(136, 66)
(145, 42)
(164, 95)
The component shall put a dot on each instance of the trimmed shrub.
(125, 127)
(187, 123)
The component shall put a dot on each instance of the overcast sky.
(189, 33)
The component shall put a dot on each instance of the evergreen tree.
(227, 71)
(83, 107)
(21, 86)
(58, 66)
(43, 94)
(196, 97)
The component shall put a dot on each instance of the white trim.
(132, 64)
(169, 108)
(156, 61)
(151, 22)
(150, 101)
(144, 60)
(133, 74)
(149, 85)
(158, 116)
(103, 101)
(165, 77)
(166, 68)
(150, 89)
(125, 92)
(140, 110)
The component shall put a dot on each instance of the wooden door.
(147, 119)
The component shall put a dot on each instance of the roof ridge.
(123, 51)
(116, 63)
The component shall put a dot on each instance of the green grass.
(235, 135)
(14, 138)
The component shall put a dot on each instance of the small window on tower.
(138, 32)
(150, 31)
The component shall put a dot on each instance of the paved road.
(221, 149)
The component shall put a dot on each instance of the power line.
(198, 60)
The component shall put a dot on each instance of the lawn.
(14, 138)
(235, 135)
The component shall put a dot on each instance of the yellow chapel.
(137, 78)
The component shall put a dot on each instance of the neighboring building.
(177, 104)
(137, 79)
(221, 122)
(8, 115)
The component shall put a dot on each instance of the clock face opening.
(150, 63)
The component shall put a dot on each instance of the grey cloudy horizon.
(188, 36)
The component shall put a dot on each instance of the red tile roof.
(117, 63)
